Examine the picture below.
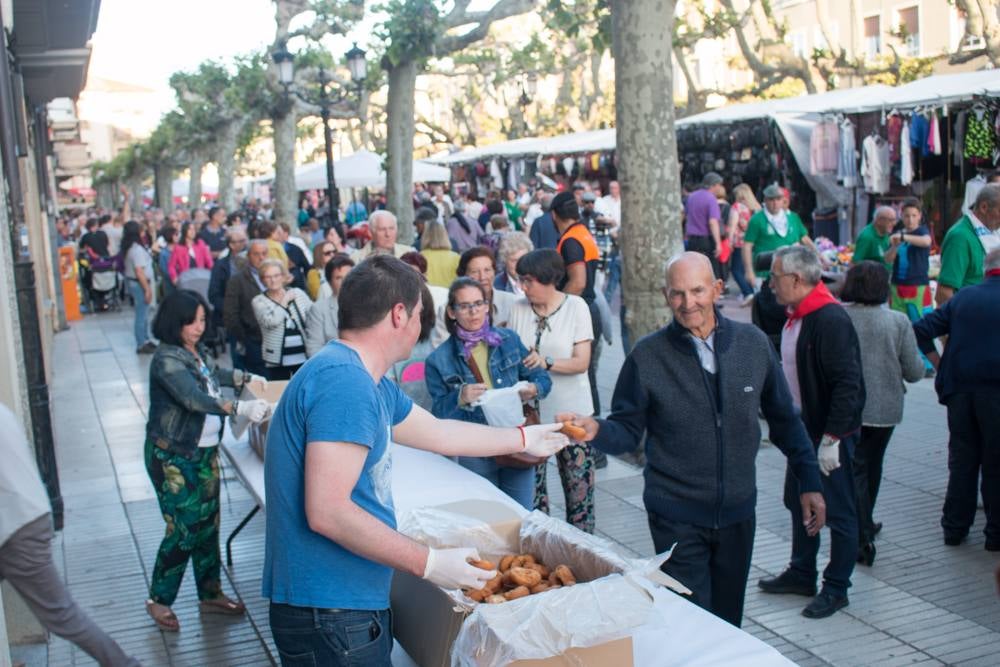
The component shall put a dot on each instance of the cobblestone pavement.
(921, 603)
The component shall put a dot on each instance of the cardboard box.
(426, 620)
(272, 393)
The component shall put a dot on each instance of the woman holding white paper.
(476, 358)
(557, 328)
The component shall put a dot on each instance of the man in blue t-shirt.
(331, 541)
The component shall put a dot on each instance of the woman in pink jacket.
(189, 253)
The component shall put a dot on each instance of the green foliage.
(410, 31)
(573, 17)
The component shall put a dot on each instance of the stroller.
(198, 280)
(99, 276)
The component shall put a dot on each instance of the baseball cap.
(589, 196)
(710, 179)
(773, 191)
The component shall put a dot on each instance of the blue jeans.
(841, 519)
(518, 483)
(739, 272)
(140, 326)
(308, 637)
(614, 275)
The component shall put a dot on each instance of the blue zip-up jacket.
(446, 370)
(179, 400)
(702, 430)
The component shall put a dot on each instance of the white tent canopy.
(359, 170)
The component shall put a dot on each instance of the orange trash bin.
(70, 283)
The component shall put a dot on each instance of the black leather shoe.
(866, 554)
(825, 604)
(876, 528)
(953, 539)
(788, 582)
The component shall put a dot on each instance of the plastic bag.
(503, 407)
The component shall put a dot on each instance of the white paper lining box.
(258, 432)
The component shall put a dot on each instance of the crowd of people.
(507, 292)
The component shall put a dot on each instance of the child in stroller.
(99, 275)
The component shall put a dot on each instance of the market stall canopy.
(362, 170)
(590, 141)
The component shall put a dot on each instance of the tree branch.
(483, 20)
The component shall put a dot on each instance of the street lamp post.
(358, 67)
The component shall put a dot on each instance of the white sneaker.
(747, 300)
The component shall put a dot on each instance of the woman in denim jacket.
(186, 414)
(497, 355)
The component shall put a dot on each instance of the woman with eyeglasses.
(477, 357)
(557, 330)
(316, 283)
(281, 313)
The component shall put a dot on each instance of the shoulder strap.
(474, 367)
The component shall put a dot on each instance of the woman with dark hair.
(480, 264)
(888, 356)
(316, 284)
(186, 417)
(139, 277)
(189, 253)
(478, 357)
(556, 329)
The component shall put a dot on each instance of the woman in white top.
(281, 314)
(557, 330)
(139, 278)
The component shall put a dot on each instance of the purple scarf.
(470, 339)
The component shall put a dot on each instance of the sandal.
(222, 605)
(163, 616)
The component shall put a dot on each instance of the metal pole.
(333, 197)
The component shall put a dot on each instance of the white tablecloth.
(682, 634)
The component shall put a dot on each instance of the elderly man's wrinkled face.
(884, 222)
(257, 254)
(691, 292)
(384, 233)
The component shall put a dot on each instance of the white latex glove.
(543, 440)
(450, 568)
(828, 454)
(247, 377)
(256, 411)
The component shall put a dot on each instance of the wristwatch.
(549, 361)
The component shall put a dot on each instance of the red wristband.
(524, 439)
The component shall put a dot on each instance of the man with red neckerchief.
(821, 359)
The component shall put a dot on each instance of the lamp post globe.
(285, 62)
(357, 64)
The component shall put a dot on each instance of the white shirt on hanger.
(875, 164)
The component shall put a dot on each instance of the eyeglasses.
(470, 307)
(775, 276)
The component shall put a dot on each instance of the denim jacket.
(446, 370)
(179, 399)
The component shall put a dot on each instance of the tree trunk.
(134, 185)
(399, 145)
(163, 179)
(105, 197)
(226, 161)
(647, 157)
(284, 194)
(194, 185)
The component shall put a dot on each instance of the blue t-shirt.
(912, 263)
(332, 398)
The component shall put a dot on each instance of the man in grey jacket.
(695, 389)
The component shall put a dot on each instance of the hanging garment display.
(824, 148)
(934, 136)
(958, 143)
(875, 164)
(979, 138)
(847, 159)
(919, 127)
(906, 155)
(496, 176)
(894, 127)
(972, 188)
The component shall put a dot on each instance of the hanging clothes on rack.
(906, 155)
(875, 164)
(958, 143)
(847, 161)
(972, 188)
(824, 148)
(919, 128)
(933, 136)
(894, 128)
(979, 138)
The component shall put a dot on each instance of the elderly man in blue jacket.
(695, 388)
(968, 382)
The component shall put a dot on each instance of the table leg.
(232, 535)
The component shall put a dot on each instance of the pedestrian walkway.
(921, 603)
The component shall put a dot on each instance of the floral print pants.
(188, 493)
(576, 470)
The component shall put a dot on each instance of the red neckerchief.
(993, 272)
(820, 296)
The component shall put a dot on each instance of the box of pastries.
(560, 597)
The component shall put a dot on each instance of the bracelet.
(524, 439)
(236, 407)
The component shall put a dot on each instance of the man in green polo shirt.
(873, 241)
(967, 242)
(770, 228)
